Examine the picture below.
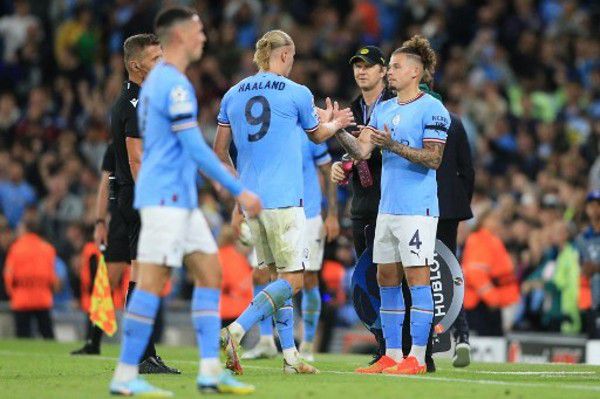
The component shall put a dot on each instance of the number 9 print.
(264, 119)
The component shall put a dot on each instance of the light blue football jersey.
(264, 112)
(167, 117)
(313, 156)
(408, 188)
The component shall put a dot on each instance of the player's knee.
(261, 276)
(215, 278)
(153, 285)
(210, 277)
(295, 279)
(387, 276)
(417, 276)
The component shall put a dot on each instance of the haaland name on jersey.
(262, 86)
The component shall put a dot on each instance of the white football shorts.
(168, 234)
(409, 239)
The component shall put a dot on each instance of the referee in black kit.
(455, 178)
(140, 52)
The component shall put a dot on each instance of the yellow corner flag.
(102, 309)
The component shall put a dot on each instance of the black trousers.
(24, 323)
(359, 235)
(485, 321)
(447, 231)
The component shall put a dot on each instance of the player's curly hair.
(419, 47)
(270, 41)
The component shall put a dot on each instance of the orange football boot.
(408, 366)
(383, 363)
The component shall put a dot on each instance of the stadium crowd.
(524, 75)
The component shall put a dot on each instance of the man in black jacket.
(456, 178)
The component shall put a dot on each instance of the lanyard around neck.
(368, 111)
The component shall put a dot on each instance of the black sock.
(429, 350)
(130, 289)
(380, 342)
(150, 349)
(93, 336)
(96, 337)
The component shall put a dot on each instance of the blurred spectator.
(491, 284)
(37, 121)
(59, 207)
(588, 244)
(94, 144)
(244, 15)
(9, 115)
(63, 295)
(365, 18)
(15, 194)
(17, 28)
(76, 41)
(6, 238)
(552, 290)
(565, 280)
(236, 286)
(30, 279)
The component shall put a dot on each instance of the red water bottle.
(347, 164)
(364, 174)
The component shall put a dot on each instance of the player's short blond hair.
(270, 41)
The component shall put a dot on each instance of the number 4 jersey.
(264, 112)
(409, 188)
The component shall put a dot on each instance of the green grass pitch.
(37, 369)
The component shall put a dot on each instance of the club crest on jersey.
(181, 101)
(396, 120)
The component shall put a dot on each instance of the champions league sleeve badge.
(447, 284)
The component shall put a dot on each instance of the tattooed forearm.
(350, 144)
(429, 156)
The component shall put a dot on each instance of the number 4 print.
(415, 241)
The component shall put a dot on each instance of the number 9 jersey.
(264, 112)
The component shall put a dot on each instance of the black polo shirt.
(124, 124)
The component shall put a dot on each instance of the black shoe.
(430, 364)
(87, 349)
(155, 365)
(375, 359)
